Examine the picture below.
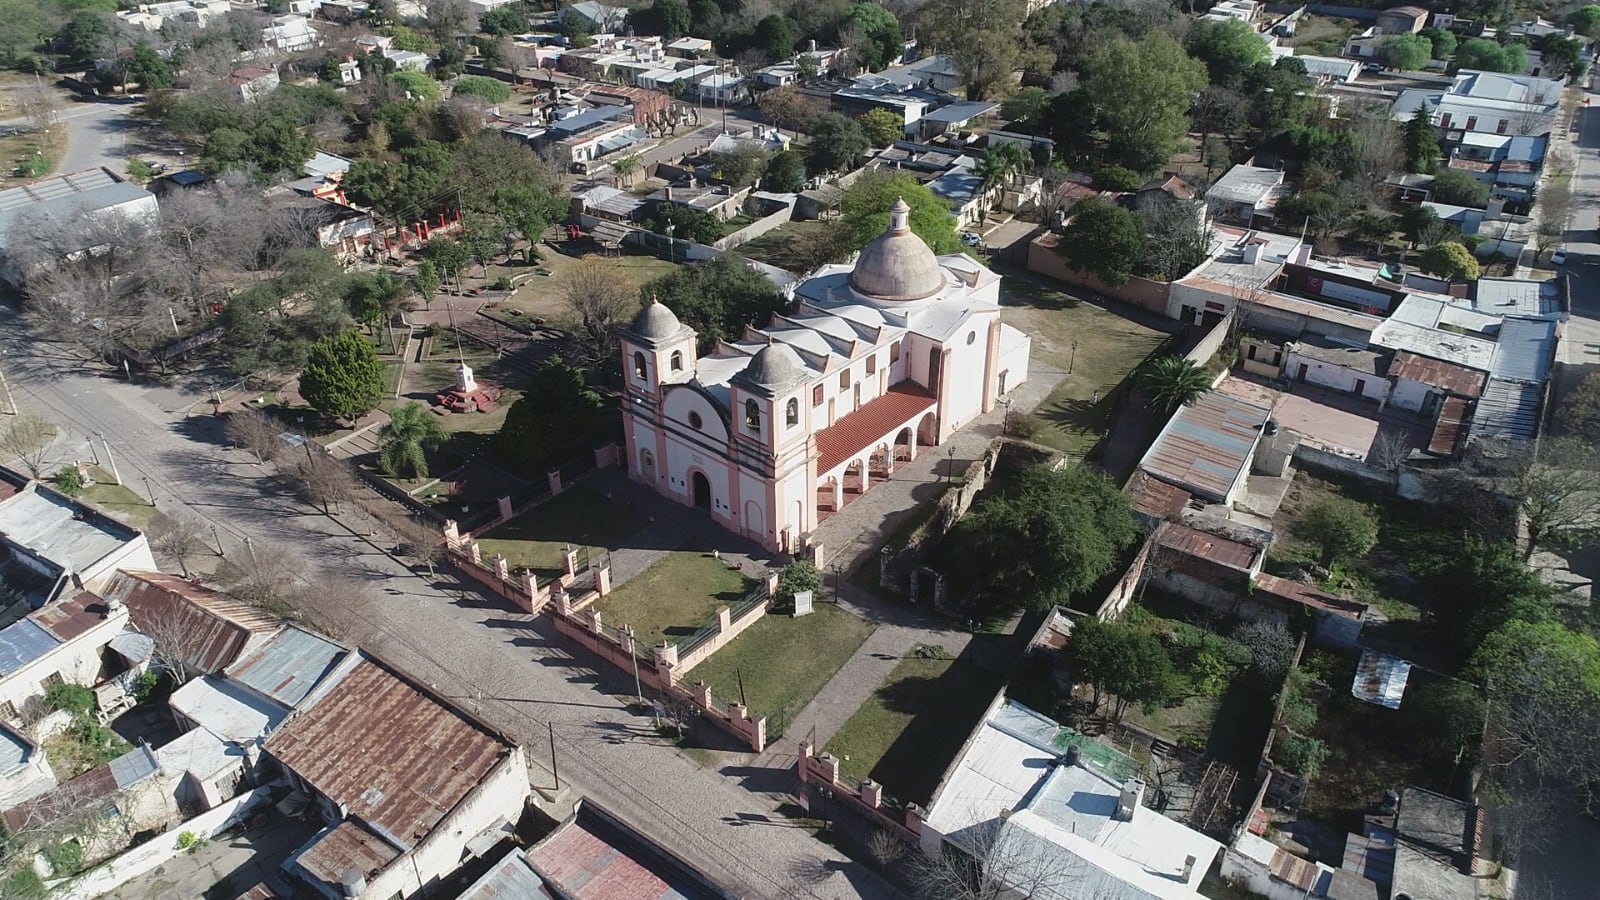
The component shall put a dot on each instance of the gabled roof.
(387, 751)
(1205, 447)
(212, 628)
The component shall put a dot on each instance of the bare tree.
(996, 863)
(599, 301)
(325, 481)
(178, 647)
(264, 574)
(340, 607)
(26, 437)
(1558, 485)
(254, 431)
(40, 106)
(178, 537)
(1392, 447)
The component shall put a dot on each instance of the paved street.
(497, 662)
(97, 135)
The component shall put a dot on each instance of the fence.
(896, 567)
(1122, 592)
(1213, 341)
(866, 799)
(772, 220)
(698, 647)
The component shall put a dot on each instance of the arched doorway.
(855, 478)
(902, 446)
(702, 491)
(928, 431)
(647, 467)
(755, 523)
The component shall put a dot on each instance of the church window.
(695, 420)
(677, 360)
(872, 364)
(791, 413)
(816, 395)
(894, 353)
(844, 379)
(638, 365)
(971, 337)
(752, 415)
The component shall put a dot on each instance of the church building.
(774, 432)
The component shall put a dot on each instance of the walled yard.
(1078, 413)
(783, 662)
(911, 729)
(578, 517)
(674, 598)
(784, 246)
(538, 299)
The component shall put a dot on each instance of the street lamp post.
(950, 464)
(672, 244)
(1073, 356)
(148, 491)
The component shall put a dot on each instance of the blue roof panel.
(22, 643)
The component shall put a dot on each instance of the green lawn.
(908, 733)
(777, 247)
(579, 517)
(452, 345)
(1109, 347)
(784, 662)
(121, 503)
(673, 598)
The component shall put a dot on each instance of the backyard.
(909, 731)
(674, 598)
(1099, 349)
(783, 246)
(783, 662)
(578, 517)
(538, 299)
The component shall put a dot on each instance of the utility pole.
(11, 404)
(553, 770)
(217, 537)
(147, 490)
(116, 477)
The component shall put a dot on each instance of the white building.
(1057, 822)
(152, 16)
(775, 431)
(94, 195)
(290, 34)
(1486, 103)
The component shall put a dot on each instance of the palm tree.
(626, 167)
(1173, 381)
(1015, 160)
(404, 443)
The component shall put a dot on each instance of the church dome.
(897, 265)
(655, 322)
(774, 365)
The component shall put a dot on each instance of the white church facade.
(774, 432)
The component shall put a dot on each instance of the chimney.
(1252, 252)
(1497, 208)
(811, 45)
(1132, 795)
(669, 193)
(353, 882)
(1188, 868)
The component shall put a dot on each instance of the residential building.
(95, 194)
(1059, 817)
(251, 83)
(290, 34)
(721, 201)
(1206, 447)
(1485, 103)
(869, 92)
(1331, 69)
(24, 771)
(200, 631)
(406, 782)
(64, 643)
(1510, 164)
(723, 87)
(935, 73)
(1402, 20)
(1247, 195)
(249, 698)
(690, 48)
(408, 60)
(777, 429)
(593, 856)
(152, 16)
(590, 136)
(601, 18)
(954, 117)
(55, 547)
(1436, 847)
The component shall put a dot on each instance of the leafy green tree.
(882, 127)
(1562, 57)
(416, 84)
(575, 28)
(1450, 261)
(403, 444)
(1117, 178)
(1300, 754)
(426, 281)
(836, 144)
(342, 377)
(1421, 144)
(85, 36)
(1026, 108)
(786, 107)
(504, 20)
(985, 39)
(1556, 483)
(1142, 91)
(776, 36)
(554, 420)
(1229, 49)
(1339, 527)
(1271, 647)
(1459, 189)
(1053, 535)
(718, 298)
(22, 22)
(1173, 381)
(796, 577)
(1477, 586)
(1407, 52)
(669, 18)
(742, 166)
(1488, 56)
(882, 41)
(864, 211)
(685, 223)
(1281, 97)
(786, 172)
(489, 90)
(1124, 661)
(1449, 712)
(1585, 20)
(1441, 43)
(1103, 239)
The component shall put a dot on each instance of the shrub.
(1117, 178)
(1300, 713)
(1300, 754)
(65, 859)
(1208, 673)
(144, 686)
(70, 481)
(71, 698)
(796, 577)
(189, 841)
(1271, 647)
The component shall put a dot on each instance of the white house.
(290, 34)
(95, 195)
(1486, 103)
(776, 430)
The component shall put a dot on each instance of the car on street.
(1559, 257)
(971, 239)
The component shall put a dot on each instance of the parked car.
(971, 239)
(1372, 68)
(1559, 257)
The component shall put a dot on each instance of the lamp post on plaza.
(1072, 357)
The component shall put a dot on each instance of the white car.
(1559, 257)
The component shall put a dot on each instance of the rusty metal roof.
(595, 857)
(67, 619)
(1437, 373)
(512, 878)
(1156, 498)
(1209, 547)
(346, 846)
(1306, 595)
(1206, 447)
(387, 751)
(1447, 432)
(216, 628)
(287, 666)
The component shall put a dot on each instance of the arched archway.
(755, 523)
(881, 463)
(855, 478)
(928, 430)
(904, 447)
(700, 487)
(647, 467)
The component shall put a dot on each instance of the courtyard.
(674, 598)
(1331, 420)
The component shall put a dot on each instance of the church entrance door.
(702, 491)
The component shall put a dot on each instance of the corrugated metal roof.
(1446, 438)
(344, 847)
(1306, 595)
(1508, 410)
(387, 751)
(1205, 447)
(1156, 498)
(22, 643)
(72, 194)
(288, 666)
(214, 627)
(594, 858)
(1211, 548)
(1524, 349)
(67, 619)
(14, 750)
(1437, 373)
(511, 878)
(1380, 679)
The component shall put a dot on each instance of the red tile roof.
(861, 429)
(388, 752)
(1437, 373)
